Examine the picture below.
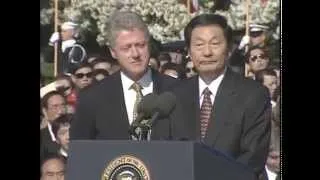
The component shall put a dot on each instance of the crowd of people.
(228, 96)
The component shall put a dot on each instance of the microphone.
(145, 109)
(166, 102)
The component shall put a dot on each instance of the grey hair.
(124, 20)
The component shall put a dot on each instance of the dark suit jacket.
(47, 146)
(101, 111)
(240, 120)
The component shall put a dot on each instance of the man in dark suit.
(106, 110)
(53, 105)
(219, 107)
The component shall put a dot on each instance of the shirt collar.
(271, 175)
(67, 43)
(63, 152)
(213, 86)
(53, 138)
(144, 81)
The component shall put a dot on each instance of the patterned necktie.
(137, 87)
(205, 112)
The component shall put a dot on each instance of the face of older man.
(56, 107)
(208, 50)
(131, 49)
(53, 169)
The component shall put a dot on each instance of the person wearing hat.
(257, 37)
(71, 52)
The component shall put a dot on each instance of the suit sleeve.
(255, 137)
(82, 125)
(237, 62)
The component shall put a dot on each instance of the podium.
(155, 160)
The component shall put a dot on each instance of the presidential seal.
(126, 167)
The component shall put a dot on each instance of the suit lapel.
(194, 112)
(117, 100)
(157, 89)
(221, 107)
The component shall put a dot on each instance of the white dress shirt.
(67, 43)
(213, 87)
(63, 152)
(271, 175)
(53, 138)
(130, 94)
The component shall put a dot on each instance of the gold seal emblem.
(126, 167)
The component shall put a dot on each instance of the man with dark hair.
(268, 78)
(101, 68)
(106, 110)
(53, 106)
(60, 129)
(52, 167)
(257, 59)
(219, 107)
(82, 75)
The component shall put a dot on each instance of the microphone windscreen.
(147, 104)
(166, 103)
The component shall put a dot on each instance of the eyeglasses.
(81, 75)
(255, 57)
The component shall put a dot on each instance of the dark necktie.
(205, 112)
(137, 87)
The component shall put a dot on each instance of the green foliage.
(47, 71)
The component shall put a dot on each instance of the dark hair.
(45, 98)
(61, 120)
(51, 156)
(155, 47)
(175, 67)
(164, 56)
(259, 76)
(100, 71)
(101, 60)
(251, 48)
(205, 20)
(79, 66)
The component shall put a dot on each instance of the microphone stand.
(143, 133)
